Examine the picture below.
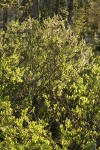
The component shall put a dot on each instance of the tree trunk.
(35, 10)
(5, 17)
(70, 11)
(57, 6)
(25, 14)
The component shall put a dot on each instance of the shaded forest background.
(50, 74)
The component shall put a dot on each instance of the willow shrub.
(20, 133)
(47, 68)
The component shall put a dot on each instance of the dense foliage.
(49, 80)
